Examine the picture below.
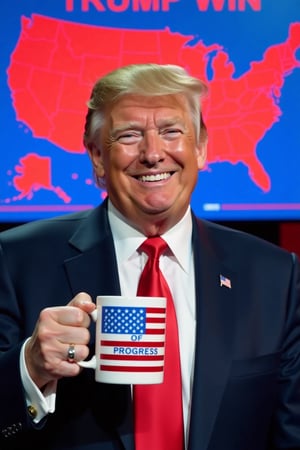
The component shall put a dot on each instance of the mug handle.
(91, 363)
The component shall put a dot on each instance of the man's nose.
(151, 147)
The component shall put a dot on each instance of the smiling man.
(148, 155)
(232, 357)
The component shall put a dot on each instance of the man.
(236, 296)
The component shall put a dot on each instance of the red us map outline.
(55, 63)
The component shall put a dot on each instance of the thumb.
(83, 301)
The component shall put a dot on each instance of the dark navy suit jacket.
(246, 389)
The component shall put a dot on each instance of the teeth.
(157, 177)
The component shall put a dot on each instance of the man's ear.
(201, 154)
(96, 158)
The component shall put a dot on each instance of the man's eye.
(128, 137)
(171, 133)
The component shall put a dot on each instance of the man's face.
(149, 158)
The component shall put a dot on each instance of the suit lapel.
(215, 306)
(93, 268)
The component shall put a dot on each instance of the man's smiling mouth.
(155, 177)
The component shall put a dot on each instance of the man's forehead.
(138, 107)
(150, 101)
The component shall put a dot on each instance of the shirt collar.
(127, 239)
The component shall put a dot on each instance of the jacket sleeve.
(287, 418)
(14, 416)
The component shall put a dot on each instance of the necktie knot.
(154, 247)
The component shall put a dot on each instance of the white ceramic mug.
(130, 340)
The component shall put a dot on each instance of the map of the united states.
(55, 63)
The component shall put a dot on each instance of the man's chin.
(155, 204)
(156, 209)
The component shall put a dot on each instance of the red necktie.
(158, 407)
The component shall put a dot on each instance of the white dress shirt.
(178, 268)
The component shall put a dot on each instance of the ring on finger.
(71, 353)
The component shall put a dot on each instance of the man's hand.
(46, 353)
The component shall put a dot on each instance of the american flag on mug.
(132, 339)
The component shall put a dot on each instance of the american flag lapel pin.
(224, 281)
